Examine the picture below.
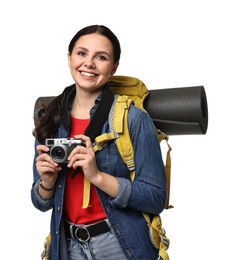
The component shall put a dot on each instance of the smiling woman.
(91, 62)
(97, 209)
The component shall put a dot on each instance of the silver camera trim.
(64, 143)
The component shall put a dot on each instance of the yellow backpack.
(128, 90)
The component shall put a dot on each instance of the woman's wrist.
(43, 187)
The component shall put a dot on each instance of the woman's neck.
(82, 104)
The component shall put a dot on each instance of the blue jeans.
(101, 247)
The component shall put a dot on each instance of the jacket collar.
(66, 105)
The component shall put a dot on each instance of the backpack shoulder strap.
(120, 124)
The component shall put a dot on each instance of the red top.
(73, 197)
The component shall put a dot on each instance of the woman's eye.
(81, 53)
(100, 57)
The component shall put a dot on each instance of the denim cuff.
(124, 193)
(40, 201)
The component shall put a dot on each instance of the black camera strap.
(100, 116)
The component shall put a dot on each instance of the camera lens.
(58, 154)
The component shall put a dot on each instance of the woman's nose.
(89, 63)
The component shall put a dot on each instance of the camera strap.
(95, 126)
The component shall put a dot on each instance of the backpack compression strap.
(161, 137)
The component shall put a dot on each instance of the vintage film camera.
(60, 148)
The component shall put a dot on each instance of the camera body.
(60, 148)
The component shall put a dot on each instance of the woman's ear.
(69, 60)
(114, 68)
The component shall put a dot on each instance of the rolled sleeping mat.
(175, 111)
(178, 111)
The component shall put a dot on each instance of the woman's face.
(91, 61)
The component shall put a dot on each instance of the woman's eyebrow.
(81, 48)
(97, 52)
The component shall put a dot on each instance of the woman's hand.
(47, 169)
(84, 157)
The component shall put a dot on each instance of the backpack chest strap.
(102, 140)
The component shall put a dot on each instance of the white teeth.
(88, 74)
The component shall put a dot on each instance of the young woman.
(112, 225)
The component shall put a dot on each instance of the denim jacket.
(147, 193)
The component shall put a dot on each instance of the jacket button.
(58, 208)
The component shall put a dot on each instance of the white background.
(167, 44)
